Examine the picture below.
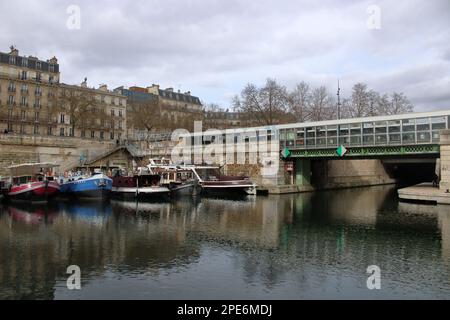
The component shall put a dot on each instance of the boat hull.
(221, 188)
(40, 191)
(97, 187)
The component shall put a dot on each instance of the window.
(24, 62)
(112, 113)
(38, 90)
(50, 79)
(36, 129)
(22, 129)
(37, 103)
(62, 118)
(61, 132)
(102, 135)
(120, 125)
(92, 134)
(49, 130)
(51, 68)
(38, 65)
(38, 77)
(23, 115)
(111, 135)
(71, 132)
(83, 133)
(10, 100)
(12, 60)
(120, 113)
(23, 101)
(24, 88)
(36, 116)
(24, 75)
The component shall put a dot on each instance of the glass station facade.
(421, 129)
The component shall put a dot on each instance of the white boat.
(213, 182)
(180, 180)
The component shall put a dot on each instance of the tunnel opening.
(412, 173)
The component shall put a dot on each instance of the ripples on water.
(303, 246)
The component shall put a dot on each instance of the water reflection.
(299, 246)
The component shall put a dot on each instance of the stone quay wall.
(445, 160)
(65, 151)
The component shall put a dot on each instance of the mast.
(339, 101)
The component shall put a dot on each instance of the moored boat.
(97, 186)
(142, 185)
(213, 182)
(32, 182)
(179, 180)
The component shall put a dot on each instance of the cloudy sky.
(214, 47)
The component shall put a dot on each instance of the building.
(91, 113)
(178, 109)
(34, 102)
(182, 101)
(226, 119)
(27, 84)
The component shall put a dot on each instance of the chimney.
(187, 93)
(14, 51)
(169, 89)
(53, 60)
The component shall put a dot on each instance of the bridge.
(378, 150)
(396, 135)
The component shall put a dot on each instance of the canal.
(305, 246)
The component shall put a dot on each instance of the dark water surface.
(304, 246)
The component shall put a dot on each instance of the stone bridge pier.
(445, 160)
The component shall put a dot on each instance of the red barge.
(31, 182)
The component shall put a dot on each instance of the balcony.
(38, 93)
(11, 89)
(24, 92)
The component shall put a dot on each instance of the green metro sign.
(341, 151)
(286, 153)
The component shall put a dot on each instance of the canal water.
(307, 246)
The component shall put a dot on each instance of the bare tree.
(399, 104)
(82, 107)
(299, 101)
(359, 102)
(145, 117)
(321, 105)
(267, 105)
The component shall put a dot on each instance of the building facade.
(92, 113)
(34, 102)
(27, 85)
(179, 110)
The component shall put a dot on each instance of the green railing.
(367, 151)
